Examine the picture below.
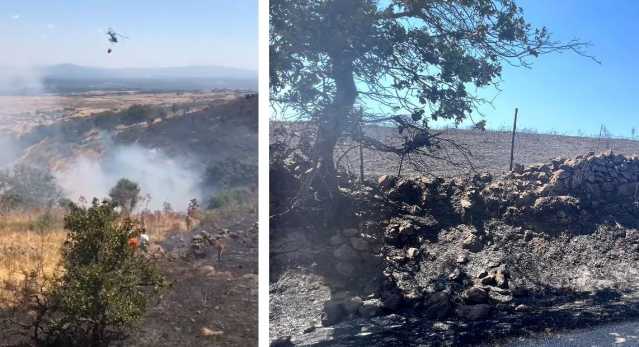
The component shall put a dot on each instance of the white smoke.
(9, 151)
(164, 179)
(21, 81)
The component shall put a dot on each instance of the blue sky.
(571, 94)
(161, 33)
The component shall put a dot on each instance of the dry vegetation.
(32, 242)
(20, 113)
(26, 247)
(203, 293)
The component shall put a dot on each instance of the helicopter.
(113, 38)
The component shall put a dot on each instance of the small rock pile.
(344, 307)
(354, 249)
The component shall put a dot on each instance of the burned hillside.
(179, 142)
(191, 170)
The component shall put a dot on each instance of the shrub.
(106, 120)
(26, 187)
(137, 114)
(230, 173)
(232, 197)
(125, 194)
(105, 286)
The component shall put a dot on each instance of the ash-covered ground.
(459, 261)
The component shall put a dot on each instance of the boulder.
(438, 305)
(407, 191)
(501, 278)
(333, 313)
(475, 295)
(461, 259)
(456, 275)
(548, 207)
(500, 297)
(370, 308)
(473, 312)
(471, 242)
(528, 235)
(284, 341)
(353, 305)
(359, 244)
(391, 300)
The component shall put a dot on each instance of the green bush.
(231, 197)
(105, 287)
(140, 113)
(125, 194)
(231, 173)
(106, 120)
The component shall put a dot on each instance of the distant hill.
(68, 78)
(70, 71)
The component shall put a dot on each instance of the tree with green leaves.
(105, 286)
(125, 194)
(406, 63)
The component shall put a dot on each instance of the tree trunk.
(331, 126)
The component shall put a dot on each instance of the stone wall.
(567, 191)
(472, 246)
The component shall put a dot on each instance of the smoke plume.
(164, 179)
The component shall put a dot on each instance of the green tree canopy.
(406, 62)
(105, 286)
(125, 194)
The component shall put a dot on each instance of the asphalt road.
(621, 334)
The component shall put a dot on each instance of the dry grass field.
(20, 113)
(32, 243)
(26, 247)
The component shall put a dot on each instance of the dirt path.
(205, 294)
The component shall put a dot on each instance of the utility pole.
(512, 142)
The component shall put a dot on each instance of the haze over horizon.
(185, 33)
(67, 64)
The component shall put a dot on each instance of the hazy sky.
(161, 33)
(568, 93)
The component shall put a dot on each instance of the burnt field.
(458, 253)
(490, 151)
